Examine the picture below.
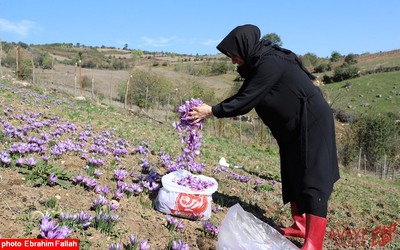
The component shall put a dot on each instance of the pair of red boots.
(307, 226)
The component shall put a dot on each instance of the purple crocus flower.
(97, 173)
(78, 179)
(179, 245)
(173, 223)
(118, 194)
(115, 246)
(145, 164)
(113, 206)
(50, 229)
(89, 183)
(144, 245)
(66, 216)
(120, 174)
(105, 189)
(52, 178)
(259, 181)
(20, 161)
(133, 239)
(5, 157)
(99, 201)
(142, 149)
(209, 228)
(45, 158)
(31, 161)
(83, 218)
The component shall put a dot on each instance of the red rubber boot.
(315, 232)
(298, 229)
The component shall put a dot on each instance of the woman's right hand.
(199, 113)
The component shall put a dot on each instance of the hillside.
(360, 203)
(77, 136)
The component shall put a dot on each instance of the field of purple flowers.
(73, 169)
(70, 170)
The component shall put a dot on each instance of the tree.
(309, 59)
(136, 54)
(46, 62)
(125, 47)
(336, 56)
(350, 59)
(274, 38)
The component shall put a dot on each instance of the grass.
(359, 200)
(373, 94)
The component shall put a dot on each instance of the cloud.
(161, 42)
(21, 28)
(210, 42)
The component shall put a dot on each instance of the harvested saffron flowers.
(194, 182)
(189, 133)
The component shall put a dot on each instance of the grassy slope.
(358, 202)
(377, 93)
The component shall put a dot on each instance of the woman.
(281, 90)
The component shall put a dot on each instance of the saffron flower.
(97, 173)
(99, 201)
(118, 194)
(173, 223)
(194, 182)
(5, 157)
(190, 135)
(115, 246)
(49, 229)
(120, 174)
(113, 206)
(31, 161)
(144, 245)
(179, 245)
(52, 178)
(210, 229)
(142, 149)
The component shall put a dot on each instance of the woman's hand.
(199, 113)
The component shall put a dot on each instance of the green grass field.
(370, 94)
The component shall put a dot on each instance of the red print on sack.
(190, 205)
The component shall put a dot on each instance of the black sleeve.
(251, 92)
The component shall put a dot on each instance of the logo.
(379, 236)
(190, 205)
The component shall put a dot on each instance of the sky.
(197, 26)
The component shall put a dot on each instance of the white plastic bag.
(183, 201)
(241, 230)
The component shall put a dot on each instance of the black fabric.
(279, 88)
(320, 211)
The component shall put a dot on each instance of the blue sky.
(196, 27)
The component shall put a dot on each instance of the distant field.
(377, 93)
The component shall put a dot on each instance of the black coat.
(283, 95)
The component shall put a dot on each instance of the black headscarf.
(244, 42)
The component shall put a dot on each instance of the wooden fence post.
(80, 76)
(76, 66)
(131, 91)
(126, 95)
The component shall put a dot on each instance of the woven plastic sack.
(241, 230)
(183, 201)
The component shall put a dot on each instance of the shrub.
(323, 67)
(219, 68)
(375, 136)
(342, 116)
(345, 72)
